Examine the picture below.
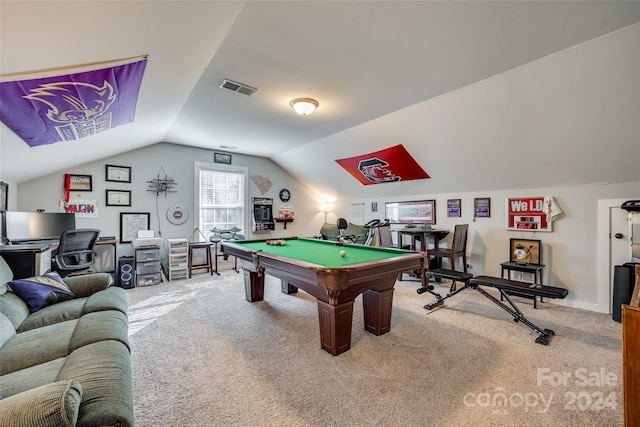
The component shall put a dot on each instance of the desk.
(535, 269)
(316, 267)
(106, 259)
(423, 234)
(27, 260)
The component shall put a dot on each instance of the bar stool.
(206, 264)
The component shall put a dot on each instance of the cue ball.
(342, 253)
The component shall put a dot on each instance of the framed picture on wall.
(79, 182)
(415, 212)
(482, 207)
(525, 251)
(454, 208)
(118, 198)
(131, 223)
(116, 173)
(222, 158)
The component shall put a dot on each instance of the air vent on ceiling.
(237, 87)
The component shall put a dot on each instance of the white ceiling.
(362, 60)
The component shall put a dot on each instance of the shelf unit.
(178, 259)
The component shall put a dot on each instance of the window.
(220, 197)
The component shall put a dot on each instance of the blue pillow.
(40, 291)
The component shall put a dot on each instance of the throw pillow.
(52, 405)
(40, 291)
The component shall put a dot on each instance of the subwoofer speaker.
(126, 272)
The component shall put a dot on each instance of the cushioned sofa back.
(13, 308)
(6, 329)
(6, 275)
(329, 231)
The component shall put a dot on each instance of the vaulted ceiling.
(362, 60)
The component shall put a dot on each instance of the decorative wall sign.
(118, 173)
(531, 213)
(177, 214)
(263, 184)
(82, 208)
(454, 208)
(482, 207)
(131, 223)
(118, 198)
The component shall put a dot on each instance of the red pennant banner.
(389, 165)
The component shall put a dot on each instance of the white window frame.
(220, 168)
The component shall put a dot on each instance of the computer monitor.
(33, 226)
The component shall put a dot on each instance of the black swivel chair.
(75, 251)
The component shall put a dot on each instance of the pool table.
(316, 267)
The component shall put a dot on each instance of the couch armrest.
(54, 404)
(88, 284)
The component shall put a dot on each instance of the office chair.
(458, 248)
(75, 251)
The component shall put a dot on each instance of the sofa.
(330, 231)
(64, 358)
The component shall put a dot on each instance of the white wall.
(571, 118)
(178, 163)
(569, 251)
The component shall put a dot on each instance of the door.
(619, 242)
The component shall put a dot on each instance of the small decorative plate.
(177, 214)
(285, 195)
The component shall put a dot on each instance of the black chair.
(458, 248)
(75, 251)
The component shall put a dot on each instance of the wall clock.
(285, 195)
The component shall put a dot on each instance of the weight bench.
(504, 286)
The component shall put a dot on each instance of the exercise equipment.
(504, 286)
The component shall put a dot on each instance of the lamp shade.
(325, 207)
(304, 106)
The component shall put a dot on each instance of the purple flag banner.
(72, 106)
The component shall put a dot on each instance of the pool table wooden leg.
(253, 286)
(287, 288)
(335, 326)
(377, 311)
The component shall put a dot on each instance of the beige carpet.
(204, 356)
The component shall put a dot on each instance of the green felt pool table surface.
(324, 253)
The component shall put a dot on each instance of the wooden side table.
(535, 269)
(207, 264)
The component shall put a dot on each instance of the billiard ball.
(342, 253)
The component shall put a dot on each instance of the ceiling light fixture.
(304, 106)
